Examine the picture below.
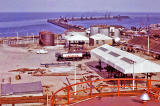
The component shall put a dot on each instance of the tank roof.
(45, 33)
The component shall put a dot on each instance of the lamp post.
(133, 74)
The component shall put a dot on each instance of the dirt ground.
(12, 58)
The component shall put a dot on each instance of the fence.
(103, 87)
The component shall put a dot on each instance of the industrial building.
(76, 37)
(76, 40)
(108, 30)
(100, 39)
(123, 61)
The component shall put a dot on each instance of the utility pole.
(148, 44)
(148, 31)
(133, 74)
(17, 37)
(33, 37)
(75, 80)
(27, 38)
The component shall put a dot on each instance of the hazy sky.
(79, 5)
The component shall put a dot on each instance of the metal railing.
(121, 86)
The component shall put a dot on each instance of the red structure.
(121, 87)
(46, 38)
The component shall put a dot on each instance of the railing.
(105, 87)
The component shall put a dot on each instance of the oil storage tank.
(117, 32)
(46, 38)
(104, 31)
(94, 30)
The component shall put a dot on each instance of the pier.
(63, 22)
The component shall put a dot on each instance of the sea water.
(25, 24)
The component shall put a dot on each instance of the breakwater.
(63, 22)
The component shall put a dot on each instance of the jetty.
(63, 22)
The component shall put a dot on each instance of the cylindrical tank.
(94, 30)
(116, 32)
(104, 31)
(73, 32)
(46, 38)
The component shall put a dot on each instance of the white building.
(76, 38)
(100, 39)
(123, 61)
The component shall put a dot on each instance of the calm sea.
(33, 23)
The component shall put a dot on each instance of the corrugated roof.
(124, 61)
(22, 88)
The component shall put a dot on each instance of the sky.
(79, 5)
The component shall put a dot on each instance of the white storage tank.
(116, 32)
(112, 29)
(94, 30)
(104, 31)
(72, 31)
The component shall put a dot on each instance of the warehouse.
(124, 61)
